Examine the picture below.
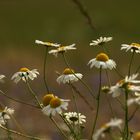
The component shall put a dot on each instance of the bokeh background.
(24, 21)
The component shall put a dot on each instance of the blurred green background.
(24, 21)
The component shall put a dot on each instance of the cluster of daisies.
(52, 104)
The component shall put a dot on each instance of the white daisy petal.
(25, 74)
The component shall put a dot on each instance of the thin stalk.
(68, 125)
(16, 100)
(133, 114)
(89, 89)
(76, 107)
(20, 134)
(130, 64)
(44, 69)
(62, 133)
(9, 137)
(126, 128)
(109, 82)
(98, 102)
(137, 69)
(84, 12)
(110, 106)
(119, 73)
(84, 99)
(108, 78)
(34, 94)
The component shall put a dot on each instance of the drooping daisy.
(69, 76)
(102, 60)
(53, 105)
(2, 78)
(101, 132)
(62, 49)
(133, 47)
(5, 115)
(101, 41)
(75, 118)
(48, 44)
(127, 83)
(25, 74)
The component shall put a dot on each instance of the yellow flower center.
(55, 102)
(135, 44)
(24, 69)
(49, 44)
(47, 98)
(137, 136)
(104, 126)
(1, 108)
(61, 49)
(102, 57)
(68, 71)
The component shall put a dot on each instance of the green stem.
(34, 94)
(109, 82)
(130, 64)
(62, 133)
(119, 73)
(20, 134)
(84, 99)
(126, 128)
(108, 78)
(98, 102)
(16, 100)
(8, 132)
(84, 12)
(89, 89)
(44, 69)
(68, 124)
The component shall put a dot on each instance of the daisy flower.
(100, 41)
(133, 47)
(62, 49)
(48, 44)
(69, 76)
(127, 83)
(75, 118)
(2, 78)
(101, 132)
(102, 60)
(5, 115)
(53, 105)
(25, 74)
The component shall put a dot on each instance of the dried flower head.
(75, 118)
